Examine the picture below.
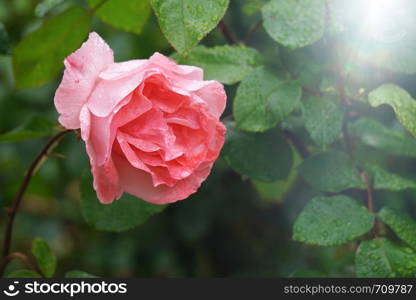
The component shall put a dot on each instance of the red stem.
(17, 201)
(227, 33)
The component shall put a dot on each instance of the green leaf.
(128, 15)
(373, 133)
(381, 258)
(403, 104)
(331, 221)
(186, 22)
(4, 40)
(23, 274)
(263, 100)
(331, 172)
(46, 6)
(402, 224)
(45, 258)
(227, 64)
(294, 23)
(39, 56)
(79, 274)
(276, 191)
(384, 180)
(262, 156)
(36, 127)
(123, 214)
(305, 68)
(323, 119)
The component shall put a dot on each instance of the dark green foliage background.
(234, 226)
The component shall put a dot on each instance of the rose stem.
(227, 33)
(13, 210)
(251, 31)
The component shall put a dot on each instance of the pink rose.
(151, 127)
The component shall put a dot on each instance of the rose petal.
(160, 175)
(130, 154)
(103, 129)
(106, 182)
(154, 159)
(139, 183)
(178, 71)
(123, 69)
(184, 116)
(108, 93)
(151, 126)
(81, 71)
(158, 90)
(212, 92)
(137, 105)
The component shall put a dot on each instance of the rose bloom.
(151, 127)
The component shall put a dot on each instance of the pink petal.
(160, 175)
(102, 130)
(151, 126)
(170, 67)
(85, 122)
(101, 139)
(184, 116)
(129, 110)
(122, 69)
(139, 183)
(81, 71)
(106, 182)
(108, 93)
(142, 144)
(154, 159)
(212, 92)
(159, 92)
(130, 154)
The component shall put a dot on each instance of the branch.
(13, 210)
(312, 92)
(227, 33)
(341, 83)
(251, 30)
(18, 255)
(370, 202)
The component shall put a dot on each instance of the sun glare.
(384, 21)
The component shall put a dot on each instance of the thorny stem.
(17, 201)
(227, 33)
